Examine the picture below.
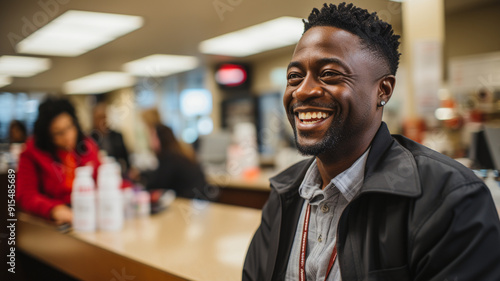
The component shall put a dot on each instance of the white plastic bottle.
(143, 203)
(128, 202)
(110, 211)
(83, 200)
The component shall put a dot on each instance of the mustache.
(331, 105)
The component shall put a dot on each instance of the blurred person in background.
(17, 138)
(17, 132)
(107, 139)
(178, 168)
(47, 165)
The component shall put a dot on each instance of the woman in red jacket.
(47, 165)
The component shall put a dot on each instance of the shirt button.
(325, 208)
(319, 238)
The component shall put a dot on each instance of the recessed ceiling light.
(160, 65)
(98, 83)
(273, 34)
(5, 80)
(77, 32)
(19, 66)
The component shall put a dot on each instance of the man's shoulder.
(437, 167)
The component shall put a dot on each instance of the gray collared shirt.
(326, 207)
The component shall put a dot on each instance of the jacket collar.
(390, 168)
(287, 182)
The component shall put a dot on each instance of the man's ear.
(385, 88)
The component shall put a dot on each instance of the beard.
(329, 143)
(335, 136)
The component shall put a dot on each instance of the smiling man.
(368, 205)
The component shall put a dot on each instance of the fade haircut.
(376, 35)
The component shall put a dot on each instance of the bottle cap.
(84, 171)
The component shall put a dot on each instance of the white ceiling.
(170, 27)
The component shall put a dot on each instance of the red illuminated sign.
(231, 75)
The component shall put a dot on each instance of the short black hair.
(49, 109)
(376, 34)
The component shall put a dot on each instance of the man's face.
(332, 91)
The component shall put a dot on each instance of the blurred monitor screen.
(196, 102)
(213, 148)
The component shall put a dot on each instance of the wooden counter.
(189, 241)
(241, 192)
(260, 183)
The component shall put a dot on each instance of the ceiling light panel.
(98, 83)
(77, 32)
(19, 66)
(5, 80)
(273, 34)
(160, 65)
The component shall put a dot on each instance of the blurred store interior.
(447, 84)
(214, 71)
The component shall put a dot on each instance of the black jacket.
(116, 147)
(419, 216)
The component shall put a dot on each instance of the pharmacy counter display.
(252, 192)
(191, 240)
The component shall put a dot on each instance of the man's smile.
(312, 118)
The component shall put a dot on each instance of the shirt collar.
(348, 183)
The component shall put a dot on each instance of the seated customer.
(177, 168)
(47, 165)
(17, 132)
(107, 139)
(17, 138)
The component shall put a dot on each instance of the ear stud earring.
(382, 103)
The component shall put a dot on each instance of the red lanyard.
(303, 245)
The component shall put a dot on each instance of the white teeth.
(307, 116)
(310, 122)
